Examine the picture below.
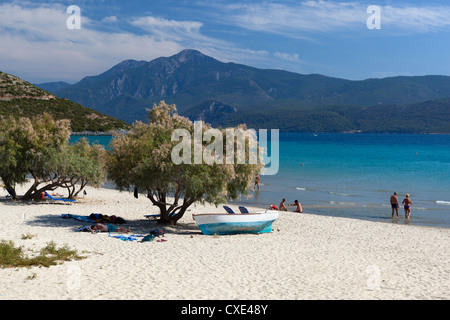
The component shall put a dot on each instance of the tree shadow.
(180, 228)
(141, 226)
(11, 202)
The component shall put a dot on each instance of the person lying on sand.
(99, 227)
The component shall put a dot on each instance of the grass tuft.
(12, 256)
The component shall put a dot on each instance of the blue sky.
(304, 36)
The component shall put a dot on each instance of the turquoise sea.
(354, 175)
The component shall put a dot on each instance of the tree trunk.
(172, 214)
(11, 191)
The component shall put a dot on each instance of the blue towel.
(129, 238)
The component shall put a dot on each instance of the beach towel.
(133, 237)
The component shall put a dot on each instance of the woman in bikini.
(407, 203)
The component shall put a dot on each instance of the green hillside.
(21, 99)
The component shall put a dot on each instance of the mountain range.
(226, 94)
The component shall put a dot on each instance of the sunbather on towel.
(108, 228)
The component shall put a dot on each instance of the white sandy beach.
(305, 257)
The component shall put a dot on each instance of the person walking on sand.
(298, 205)
(283, 206)
(407, 203)
(394, 204)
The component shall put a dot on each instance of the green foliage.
(19, 98)
(39, 147)
(142, 159)
(12, 256)
(424, 117)
(81, 118)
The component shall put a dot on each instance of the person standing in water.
(394, 204)
(407, 203)
(257, 182)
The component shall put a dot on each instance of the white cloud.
(152, 23)
(416, 19)
(298, 19)
(293, 57)
(36, 44)
(110, 19)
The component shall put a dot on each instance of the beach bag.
(157, 232)
(149, 237)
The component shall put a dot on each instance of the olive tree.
(142, 160)
(38, 149)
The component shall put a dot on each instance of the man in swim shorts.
(299, 208)
(394, 203)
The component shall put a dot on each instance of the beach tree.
(79, 164)
(142, 160)
(38, 150)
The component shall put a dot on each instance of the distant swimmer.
(407, 203)
(301, 164)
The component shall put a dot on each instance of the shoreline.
(111, 133)
(306, 256)
(91, 133)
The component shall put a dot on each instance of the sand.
(305, 257)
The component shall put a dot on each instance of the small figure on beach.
(100, 227)
(394, 203)
(283, 206)
(298, 205)
(54, 194)
(257, 181)
(407, 203)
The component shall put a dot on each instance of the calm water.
(103, 140)
(354, 175)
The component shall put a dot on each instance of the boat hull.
(223, 224)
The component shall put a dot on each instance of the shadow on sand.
(142, 227)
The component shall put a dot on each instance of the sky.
(43, 41)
